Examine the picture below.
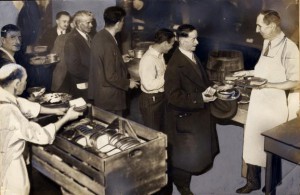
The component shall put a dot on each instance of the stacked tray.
(103, 140)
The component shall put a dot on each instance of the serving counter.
(138, 170)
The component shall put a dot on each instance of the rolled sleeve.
(291, 62)
(28, 108)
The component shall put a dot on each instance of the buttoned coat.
(77, 58)
(108, 80)
(191, 130)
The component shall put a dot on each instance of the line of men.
(181, 92)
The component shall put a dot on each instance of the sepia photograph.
(149, 97)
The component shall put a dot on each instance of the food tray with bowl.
(228, 94)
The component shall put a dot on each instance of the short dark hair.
(16, 74)
(8, 28)
(184, 30)
(62, 13)
(271, 16)
(113, 14)
(162, 35)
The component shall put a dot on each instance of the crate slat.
(59, 178)
(79, 152)
(67, 170)
(69, 159)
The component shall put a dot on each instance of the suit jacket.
(60, 69)
(77, 58)
(4, 59)
(108, 81)
(49, 36)
(190, 127)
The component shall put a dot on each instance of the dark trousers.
(253, 174)
(152, 109)
(181, 179)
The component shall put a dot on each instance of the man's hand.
(133, 84)
(243, 73)
(208, 95)
(126, 58)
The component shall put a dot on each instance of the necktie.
(267, 49)
(194, 59)
(88, 38)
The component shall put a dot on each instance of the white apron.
(268, 108)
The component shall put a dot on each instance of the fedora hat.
(222, 109)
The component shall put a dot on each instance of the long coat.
(77, 58)
(108, 81)
(191, 130)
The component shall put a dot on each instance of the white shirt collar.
(9, 55)
(277, 40)
(189, 54)
(6, 96)
(60, 31)
(155, 52)
(82, 34)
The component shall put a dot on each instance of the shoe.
(263, 189)
(249, 187)
(185, 191)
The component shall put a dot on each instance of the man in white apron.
(269, 105)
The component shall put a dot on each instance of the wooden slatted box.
(140, 170)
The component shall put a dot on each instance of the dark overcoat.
(77, 58)
(108, 80)
(191, 130)
(4, 59)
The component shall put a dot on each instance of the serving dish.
(251, 82)
(54, 98)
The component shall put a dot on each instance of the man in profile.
(10, 43)
(108, 78)
(77, 53)
(152, 69)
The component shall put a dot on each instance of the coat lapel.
(190, 69)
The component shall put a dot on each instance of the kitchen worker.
(269, 105)
(16, 129)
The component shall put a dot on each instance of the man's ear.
(2, 40)
(273, 25)
(16, 83)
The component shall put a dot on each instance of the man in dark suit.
(10, 43)
(108, 81)
(192, 137)
(61, 27)
(77, 53)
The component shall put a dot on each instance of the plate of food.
(228, 94)
(251, 82)
(55, 98)
(44, 60)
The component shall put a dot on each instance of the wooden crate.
(140, 170)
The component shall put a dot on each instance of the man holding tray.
(279, 64)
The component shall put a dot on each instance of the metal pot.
(138, 53)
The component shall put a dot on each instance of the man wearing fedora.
(190, 125)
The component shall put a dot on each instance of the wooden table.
(281, 142)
